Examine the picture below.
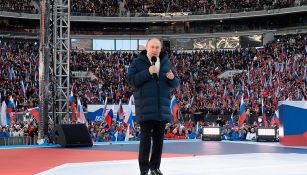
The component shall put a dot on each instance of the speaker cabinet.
(72, 135)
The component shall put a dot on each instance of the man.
(152, 76)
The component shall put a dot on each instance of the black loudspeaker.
(72, 135)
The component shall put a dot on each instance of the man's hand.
(152, 70)
(170, 75)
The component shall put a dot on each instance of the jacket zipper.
(158, 84)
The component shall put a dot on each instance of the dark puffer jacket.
(152, 95)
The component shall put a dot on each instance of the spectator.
(251, 135)
(3, 132)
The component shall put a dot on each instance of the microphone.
(153, 62)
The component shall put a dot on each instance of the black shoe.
(144, 172)
(155, 172)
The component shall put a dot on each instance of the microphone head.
(153, 59)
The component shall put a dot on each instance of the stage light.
(266, 134)
(211, 134)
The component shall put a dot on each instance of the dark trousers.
(151, 130)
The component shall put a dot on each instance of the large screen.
(227, 42)
(182, 43)
(103, 44)
(126, 44)
(251, 41)
(77, 44)
(204, 43)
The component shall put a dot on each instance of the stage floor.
(193, 157)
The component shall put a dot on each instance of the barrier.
(7, 141)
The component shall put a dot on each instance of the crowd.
(204, 6)
(24, 6)
(237, 4)
(276, 73)
(97, 7)
(175, 131)
(141, 7)
(19, 63)
(110, 70)
(26, 128)
(115, 8)
(273, 73)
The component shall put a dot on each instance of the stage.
(193, 157)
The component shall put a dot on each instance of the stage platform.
(193, 157)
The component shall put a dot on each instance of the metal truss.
(61, 55)
(54, 63)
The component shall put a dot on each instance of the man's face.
(153, 48)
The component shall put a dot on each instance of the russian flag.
(108, 118)
(104, 111)
(264, 118)
(35, 112)
(9, 111)
(73, 105)
(260, 49)
(242, 116)
(174, 108)
(237, 98)
(80, 115)
(231, 124)
(275, 118)
(225, 93)
(127, 134)
(120, 112)
(72, 98)
(129, 117)
(113, 116)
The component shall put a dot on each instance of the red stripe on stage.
(35, 160)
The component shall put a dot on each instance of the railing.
(200, 12)
(6, 141)
(25, 10)
(207, 13)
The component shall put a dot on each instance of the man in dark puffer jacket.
(152, 76)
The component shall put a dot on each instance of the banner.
(94, 112)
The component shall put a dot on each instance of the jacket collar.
(143, 56)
